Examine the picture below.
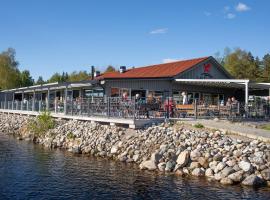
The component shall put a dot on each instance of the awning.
(53, 86)
(228, 83)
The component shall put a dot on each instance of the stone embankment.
(169, 149)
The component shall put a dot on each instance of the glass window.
(115, 92)
(190, 97)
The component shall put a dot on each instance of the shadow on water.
(28, 171)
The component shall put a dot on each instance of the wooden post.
(33, 100)
(55, 102)
(22, 100)
(5, 100)
(65, 101)
(196, 109)
(48, 100)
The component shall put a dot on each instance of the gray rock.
(227, 171)
(226, 181)
(194, 155)
(162, 166)
(219, 167)
(209, 172)
(148, 164)
(198, 172)
(246, 166)
(236, 176)
(194, 165)
(183, 159)
(169, 166)
(252, 180)
(266, 174)
(114, 149)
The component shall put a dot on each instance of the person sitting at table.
(229, 102)
(234, 101)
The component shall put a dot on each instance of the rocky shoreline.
(177, 149)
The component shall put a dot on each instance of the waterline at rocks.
(176, 149)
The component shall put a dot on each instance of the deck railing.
(142, 108)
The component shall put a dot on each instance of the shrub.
(41, 124)
(199, 125)
(70, 135)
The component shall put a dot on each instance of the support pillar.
(5, 101)
(55, 101)
(13, 98)
(246, 98)
(246, 93)
(34, 101)
(65, 101)
(22, 101)
(48, 100)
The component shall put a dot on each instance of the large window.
(115, 92)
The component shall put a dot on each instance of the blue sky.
(66, 35)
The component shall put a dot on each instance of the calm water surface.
(28, 171)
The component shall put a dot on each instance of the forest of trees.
(240, 63)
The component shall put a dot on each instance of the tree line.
(241, 64)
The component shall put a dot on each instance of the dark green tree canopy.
(26, 79)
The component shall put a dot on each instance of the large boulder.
(183, 159)
(244, 165)
(227, 171)
(209, 172)
(219, 167)
(198, 172)
(252, 180)
(148, 164)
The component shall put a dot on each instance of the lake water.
(28, 171)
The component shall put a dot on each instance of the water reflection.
(28, 171)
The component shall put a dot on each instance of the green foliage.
(110, 69)
(9, 72)
(40, 81)
(265, 127)
(26, 79)
(78, 76)
(70, 135)
(41, 124)
(198, 125)
(266, 68)
(241, 64)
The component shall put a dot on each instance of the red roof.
(155, 71)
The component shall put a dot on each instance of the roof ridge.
(205, 57)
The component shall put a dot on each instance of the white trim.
(240, 81)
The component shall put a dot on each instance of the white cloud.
(230, 16)
(159, 31)
(169, 60)
(206, 13)
(241, 7)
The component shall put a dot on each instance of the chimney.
(97, 73)
(123, 69)
(92, 72)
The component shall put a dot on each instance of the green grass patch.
(265, 127)
(70, 135)
(198, 125)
